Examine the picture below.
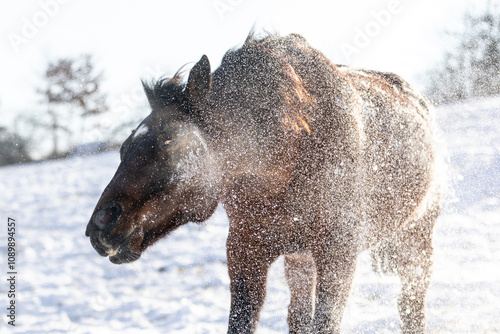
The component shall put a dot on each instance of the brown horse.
(311, 160)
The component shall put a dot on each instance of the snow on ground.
(180, 285)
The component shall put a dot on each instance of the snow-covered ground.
(180, 285)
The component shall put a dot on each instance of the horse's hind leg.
(300, 273)
(415, 253)
(335, 266)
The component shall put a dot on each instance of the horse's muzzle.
(114, 245)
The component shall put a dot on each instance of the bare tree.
(472, 69)
(72, 94)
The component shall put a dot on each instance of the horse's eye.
(164, 141)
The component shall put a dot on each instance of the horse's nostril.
(107, 216)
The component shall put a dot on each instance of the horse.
(311, 160)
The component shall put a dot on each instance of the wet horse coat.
(311, 160)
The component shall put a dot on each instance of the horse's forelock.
(164, 91)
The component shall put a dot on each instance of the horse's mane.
(264, 72)
(164, 91)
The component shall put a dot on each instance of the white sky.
(140, 39)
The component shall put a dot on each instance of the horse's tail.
(384, 257)
(385, 254)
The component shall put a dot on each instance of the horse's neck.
(249, 169)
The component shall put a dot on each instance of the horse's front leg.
(335, 272)
(248, 262)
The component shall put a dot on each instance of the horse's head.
(167, 175)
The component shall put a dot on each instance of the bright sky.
(141, 39)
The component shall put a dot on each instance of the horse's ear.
(199, 82)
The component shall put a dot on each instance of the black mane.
(164, 91)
